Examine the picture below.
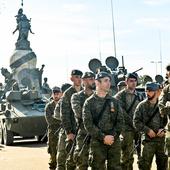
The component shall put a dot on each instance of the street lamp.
(156, 63)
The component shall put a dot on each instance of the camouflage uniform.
(126, 99)
(68, 119)
(77, 101)
(164, 106)
(61, 154)
(53, 125)
(151, 146)
(110, 124)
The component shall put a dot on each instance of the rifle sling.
(155, 110)
(96, 121)
(131, 106)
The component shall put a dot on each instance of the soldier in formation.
(129, 99)
(103, 121)
(53, 125)
(148, 120)
(77, 101)
(91, 123)
(67, 116)
(61, 154)
(164, 106)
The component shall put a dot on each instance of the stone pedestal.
(23, 66)
(22, 44)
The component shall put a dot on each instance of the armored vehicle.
(21, 114)
(118, 73)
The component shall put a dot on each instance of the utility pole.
(113, 28)
(160, 43)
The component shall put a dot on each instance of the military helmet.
(56, 89)
(102, 74)
(88, 75)
(152, 86)
(76, 72)
(65, 86)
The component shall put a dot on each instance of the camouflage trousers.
(151, 148)
(61, 153)
(127, 147)
(52, 148)
(168, 147)
(63, 163)
(104, 157)
(81, 156)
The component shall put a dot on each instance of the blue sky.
(69, 33)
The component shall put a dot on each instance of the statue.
(40, 74)
(6, 74)
(19, 15)
(24, 27)
(45, 87)
(9, 81)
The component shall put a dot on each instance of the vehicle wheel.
(1, 135)
(38, 138)
(7, 136)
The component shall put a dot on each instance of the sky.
(69, 33)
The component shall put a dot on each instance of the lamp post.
(156, 65)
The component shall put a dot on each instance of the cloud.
(156, 2)
(160, 23)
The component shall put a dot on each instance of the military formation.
(88, 127)
(101, 119)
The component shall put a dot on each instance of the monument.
(23, 60)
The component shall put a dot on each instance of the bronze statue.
(23, 25)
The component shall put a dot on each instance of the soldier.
(53, 125)
(121, 85)
(77, 101)
(164, 106)
(147, 119)
(129, 99)
(167, 75)
(103, 120)
(61, 152)
(67, 114)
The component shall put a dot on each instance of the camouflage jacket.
(67, 114)
(164, 100)
(126, 99)
(57, 111)
(49, 114)
(143, 122)
(77, 101)
(111, 120)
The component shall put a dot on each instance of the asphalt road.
(28, 155)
